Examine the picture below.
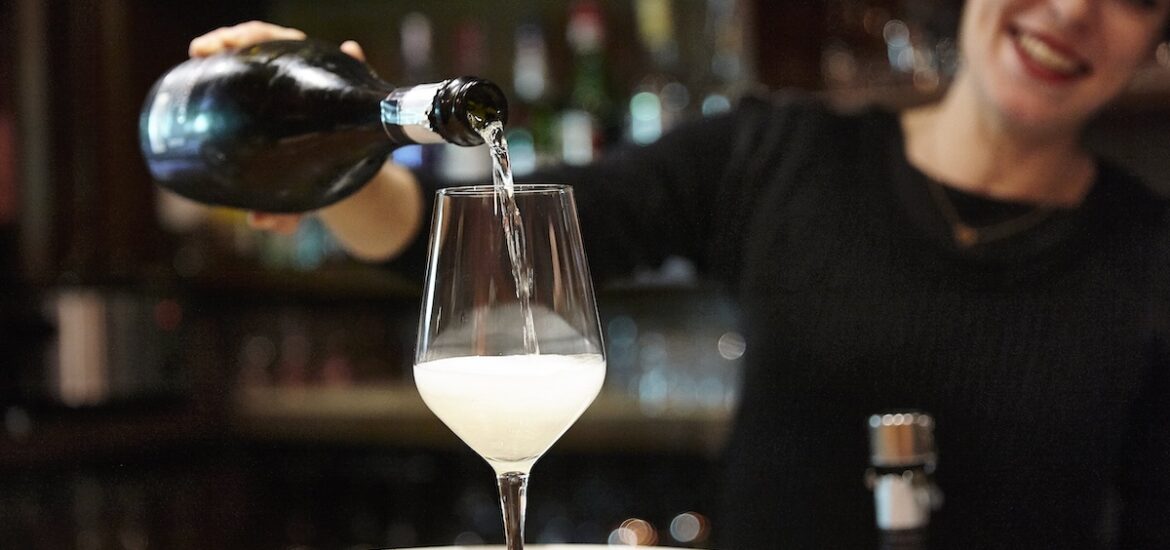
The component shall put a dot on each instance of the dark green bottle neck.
(450, 111)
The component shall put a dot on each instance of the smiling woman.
(1033, 73)
(969, 259)
(1050, 65)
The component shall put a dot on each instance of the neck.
(958, 144)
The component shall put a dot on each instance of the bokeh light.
(634, 532)
(689, 527)
(731, 345)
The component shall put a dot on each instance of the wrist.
(379, 220)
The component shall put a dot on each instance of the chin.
(1038, 113)
(1032, 116)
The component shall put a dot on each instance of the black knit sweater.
(1042, 356)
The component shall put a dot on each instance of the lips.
(1047, 59)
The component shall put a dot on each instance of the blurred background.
(172, 379)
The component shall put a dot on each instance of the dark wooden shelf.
(396, 415)
(68, 437)
(356, 282)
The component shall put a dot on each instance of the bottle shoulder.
(306, 65)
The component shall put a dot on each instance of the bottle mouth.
(478, 102)
(489, 191)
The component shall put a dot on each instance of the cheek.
(1117, 68)
(1132, 36)
(1124, 56)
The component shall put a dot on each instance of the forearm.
(380, 220)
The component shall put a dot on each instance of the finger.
(353, 49)
(281, 224)
(207, 44)
(252, 32)
(238, 36)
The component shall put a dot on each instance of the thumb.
(353, 49)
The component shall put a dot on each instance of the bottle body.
(582, 132)
(292, 126)
(902, 464)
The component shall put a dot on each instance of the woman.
(967, 258)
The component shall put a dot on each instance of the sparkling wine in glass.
(476, 369)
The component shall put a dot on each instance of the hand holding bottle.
(375, 222)
(294, 126)
(243, 35)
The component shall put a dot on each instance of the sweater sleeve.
(691, 194)
(642, 204)
(687, 195)
(637, 206)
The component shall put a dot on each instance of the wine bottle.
(294, 125)
(581, 124)
(902, 464)
(660, 98)
(461, 165)
(416, 46)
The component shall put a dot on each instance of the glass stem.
(513, 491)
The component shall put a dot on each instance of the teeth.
(1043, 54)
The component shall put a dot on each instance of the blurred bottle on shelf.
(303, 346)
(95, 348)
(934, 53)
(728, 74)
(416, 36)
(296, 351)
(530, 137)
(676, 354)
(461, 164)
(842, 55)
(256, 357)
(907, 43)
(660, 100)
(417, 43)
(336, 368)
(581, 127)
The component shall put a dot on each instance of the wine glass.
(508, 396)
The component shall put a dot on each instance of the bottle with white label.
(295, 125)
(902, 463)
